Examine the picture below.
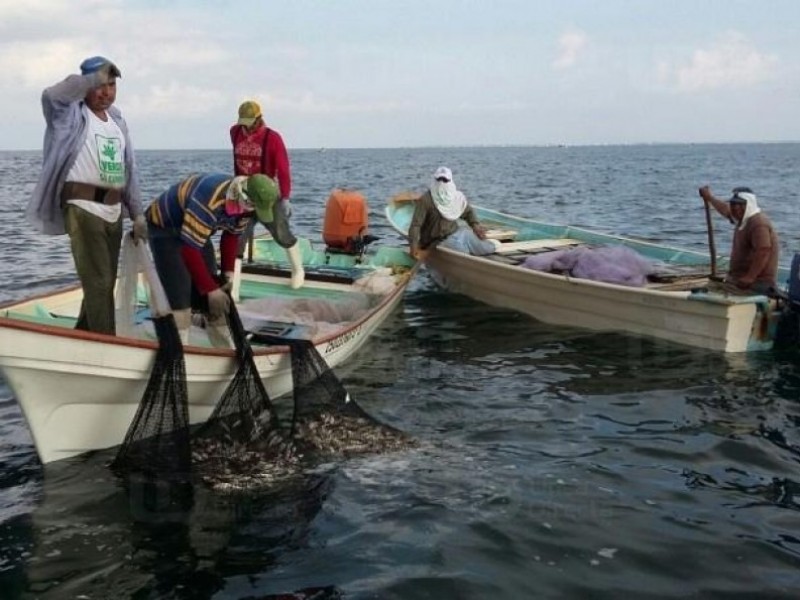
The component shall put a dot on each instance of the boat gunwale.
(103, 338)
(710, 297)
(590, 232)
(725, 300)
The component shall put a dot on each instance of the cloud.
(33, 10)
(35, 65)
(731, 61)
(176, 100)
(570, 45)
(306, 102)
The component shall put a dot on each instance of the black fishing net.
(242, 443)
(157, 441)
(326, 420)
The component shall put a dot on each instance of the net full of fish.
(228, 466)
(330, 433)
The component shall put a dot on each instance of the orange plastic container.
(345, 219)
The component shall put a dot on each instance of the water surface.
(552, 462)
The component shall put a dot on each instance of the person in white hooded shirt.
(435, 221)
(755, 251)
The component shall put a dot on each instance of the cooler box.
(345, 220)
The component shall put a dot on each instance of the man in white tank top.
(87, 181)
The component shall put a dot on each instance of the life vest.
(237, 137)
(346, 220)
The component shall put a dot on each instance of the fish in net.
(242, 444)
(326, 420)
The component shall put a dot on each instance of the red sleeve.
(228, 248)
(202, 279)
(280, 159)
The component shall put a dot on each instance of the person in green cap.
(181, 221)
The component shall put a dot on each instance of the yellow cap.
(248, 113)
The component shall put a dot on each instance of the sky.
(417, 73)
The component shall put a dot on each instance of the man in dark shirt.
(754, 253)
(435, 221)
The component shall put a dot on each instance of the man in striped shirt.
(181, 221)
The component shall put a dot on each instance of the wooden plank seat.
(672, 277)
(501, 233)
(679, 277)
(514, 253)
(679, 284)
(324, 273)
(536, 246)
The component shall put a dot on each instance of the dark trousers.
(166, 246)
(95, 245)
(279, 229)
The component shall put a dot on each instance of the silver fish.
(331, 433)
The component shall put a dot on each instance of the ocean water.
(552, 462)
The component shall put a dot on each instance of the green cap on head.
(263, 193)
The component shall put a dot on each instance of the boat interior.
(339, 288)
(678, 270)
(515, 249)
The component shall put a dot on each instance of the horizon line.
(436, 146)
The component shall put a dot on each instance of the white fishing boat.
(80, 390)
(679, 301)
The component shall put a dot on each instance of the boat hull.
(677, 317)
(699, 318)
(79, 391)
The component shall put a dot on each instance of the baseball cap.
(263, 193)
(248, 113)
(443, 173)
(92, 64)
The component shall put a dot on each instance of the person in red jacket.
(260, 149)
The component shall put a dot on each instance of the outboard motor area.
(344, 230)
(794, 283)
(788, 329)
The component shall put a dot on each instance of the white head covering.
(443, 173)
(236, 200)
(751, 206)
(448, 200)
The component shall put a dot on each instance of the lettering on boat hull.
(343, 339)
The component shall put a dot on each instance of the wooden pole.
(711, 246)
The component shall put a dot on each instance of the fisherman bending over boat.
(88, 176)
(754, 253)
(435, 221)
(181, 222)
(260, 149)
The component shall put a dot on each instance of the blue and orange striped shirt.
(196, 206)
